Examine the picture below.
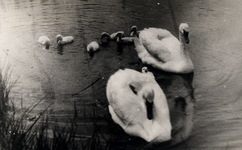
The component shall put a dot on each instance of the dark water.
(58, 76)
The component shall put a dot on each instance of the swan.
(124, 40)
(127, 92)
(133, 31)
(44, 40)
(92, 47)
(160, 49)
(106, 37)
(64, 40)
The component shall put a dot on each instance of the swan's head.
(119, 37)
(144, 70)
(59, 38)
(148, 94)
(105, 37)
(147, 72)
(91, 52)
(47, 45)
(92, 47)
(133, 31)
(184, 30)
(143, 90)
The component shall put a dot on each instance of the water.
(58, 75)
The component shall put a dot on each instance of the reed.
(18, 132)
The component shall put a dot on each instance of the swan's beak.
(186, 37)
(149, 108)
(47, 46)
(91, 53)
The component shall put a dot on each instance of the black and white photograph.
(120, 75)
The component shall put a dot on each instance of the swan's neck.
(160, 112)
(182, 40)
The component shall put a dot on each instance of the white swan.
(106, 37)
(44, 40)
(160, 49)
(92, 47)
(124, 40)
(64, 40)
(128, 91)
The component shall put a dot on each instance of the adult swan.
(160, 49)
(128, 92)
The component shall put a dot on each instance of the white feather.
(93, 46)
(159, 48)
(64, 40)
(44, 40)
(128, 108)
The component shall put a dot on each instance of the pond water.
(61, 76)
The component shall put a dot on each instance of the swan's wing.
(138, 45)
(160, 33)
(160, 43)
(156, 63)
(141, 50)
(145, 56)
(68, 39)
(155, 46)
(115, 118)
(138, 130)
(44, 40)
(147, 129)
(133, 128)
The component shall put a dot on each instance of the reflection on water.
(61, 71)
(60, 49)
